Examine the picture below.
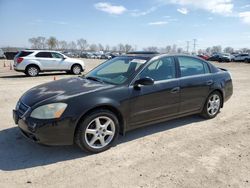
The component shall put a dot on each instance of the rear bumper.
(48, 132)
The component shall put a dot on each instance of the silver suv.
(31, 62)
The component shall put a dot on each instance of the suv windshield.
(117, 70)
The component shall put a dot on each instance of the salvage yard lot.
(187, 152)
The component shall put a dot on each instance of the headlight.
(50, 111)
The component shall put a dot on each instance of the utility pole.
(195, 40)
(188, 46)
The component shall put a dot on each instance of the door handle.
(175, 90)
(210, 82)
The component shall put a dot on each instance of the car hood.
(62, 90)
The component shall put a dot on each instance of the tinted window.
(161, 69)
(56, 55)
(191, 66)
(24, 53)
(44, 54)
(117, 70)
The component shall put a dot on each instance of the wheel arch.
(32, 64)
(82, 68)
(104, 107)
(221, 93)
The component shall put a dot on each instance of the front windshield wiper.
(94, 78)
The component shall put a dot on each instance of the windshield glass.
(117, 70)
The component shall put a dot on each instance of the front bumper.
(48, 132)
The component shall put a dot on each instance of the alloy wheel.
(76, 69)
(100, 132)
(32, 71)
(213, 104)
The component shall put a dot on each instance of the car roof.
(149, 56)
(30, 50)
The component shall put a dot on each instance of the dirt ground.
(187, 152)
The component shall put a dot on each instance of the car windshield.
(117, 70)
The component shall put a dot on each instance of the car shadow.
(16, 152)
(40, 75)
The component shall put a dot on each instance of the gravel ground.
(187, 152)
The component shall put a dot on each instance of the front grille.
(22, 109)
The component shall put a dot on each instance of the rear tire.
(76, 69)
(32, 71)
(97, 132)
(212, 105)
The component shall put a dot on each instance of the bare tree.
(151, 48)
(82, 44)
(229, 50)
(208, 50)
(107, 48)
(72, 45)
(168, 49)
(114, 49)
(174, 48)
(93, 47)
(127, 48)
(52, 43)
(216, 49)
(121, 48)
(62, 45)
(245, 50)
(38, 42)
(100, 47)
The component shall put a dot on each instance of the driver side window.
(161, 69)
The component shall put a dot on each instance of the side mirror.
(144, 81)
(63, 58)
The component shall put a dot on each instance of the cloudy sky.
(141, 23)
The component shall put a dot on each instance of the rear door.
(195, 82)
(157, 101)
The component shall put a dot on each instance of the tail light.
(19, 60)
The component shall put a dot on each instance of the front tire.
(32, 71)
(212, 105)
(97, 132)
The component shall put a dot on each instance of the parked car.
(205, 57)
(222, 57)
(123, 93)
(31, 62)
(242, 58)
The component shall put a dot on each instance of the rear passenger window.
(44, 54)
(24, 53)
(190, 66)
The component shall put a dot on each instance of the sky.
(140, 23)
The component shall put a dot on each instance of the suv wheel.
(97, 132)
(76, 69)
(212, 105)
(32, 71)
(247, 60)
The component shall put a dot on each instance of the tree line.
(81, 44)
(52, 43)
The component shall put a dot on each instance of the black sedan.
(119, 95)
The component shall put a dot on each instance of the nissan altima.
(119, 95)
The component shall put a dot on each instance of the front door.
(158, 101)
